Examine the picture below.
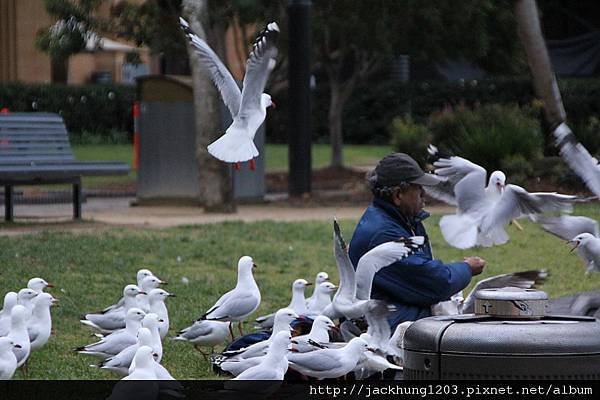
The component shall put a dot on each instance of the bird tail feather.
(233, 147)
(460, 231)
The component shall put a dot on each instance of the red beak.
(273, 104)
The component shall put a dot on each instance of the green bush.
(491, 135)
(517, 168)
(409, 137)
(98, 110)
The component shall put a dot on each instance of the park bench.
(35, 150)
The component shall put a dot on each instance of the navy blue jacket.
(414, 283)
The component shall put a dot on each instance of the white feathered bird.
(483, 211)
(248, 107)
(578, 158)
(580, 231)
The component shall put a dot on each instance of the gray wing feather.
(517, 202)
(220, 75)
(320, 360)
(522, 279)
(347, 287)
(469, 189)
(567, 227)
(258, 67)
(578, 158)
(234, 307)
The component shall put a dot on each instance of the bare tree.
(216, 185)
(544, 80)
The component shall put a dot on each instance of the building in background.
(104, 61)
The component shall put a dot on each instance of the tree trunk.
(336, 108)
(215, 181)
(59, 70)
(544, 80)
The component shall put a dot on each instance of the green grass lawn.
(90, 270)
(277, 159)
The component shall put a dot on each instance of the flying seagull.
(580, 231)
(483, 211)
(578, 158)
(248, 107)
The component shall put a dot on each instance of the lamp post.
(299, 132)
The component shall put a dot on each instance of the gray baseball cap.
(399, 167)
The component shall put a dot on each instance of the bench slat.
(60, 171)
(43, 158)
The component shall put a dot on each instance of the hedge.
(87, 109)
(369, 113)
(105, 109)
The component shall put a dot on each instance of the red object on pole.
(4, 110)
(136, 135)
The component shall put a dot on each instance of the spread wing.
(220, 75)
(567, 227)
(516, 202)
(260, 63)
(347, 286)
(469, 189)
(379, 257)
(522, 279)
(578, 158)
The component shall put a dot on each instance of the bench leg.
(8, 203)
(77, 200)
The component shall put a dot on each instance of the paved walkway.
(99, 212)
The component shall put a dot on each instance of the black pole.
(299, 132)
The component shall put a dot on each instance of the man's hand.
(476, 264)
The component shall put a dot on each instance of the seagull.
(274, 364)
(395, 346)
(121, 362)
(156, 301)
(248, 107)
(18, 333)
(205, 333)
(10, 300)
(298, 304)
(323, 298)
(39, 326)
(320, 278)
(8, 360)
(329, 363)
(115, 318)
(38, 284)
(240, 302)
(578, 158)
(318, 335)
(148, 283)
(283, 319)
(141, 274)
(151, 321)
(144, 368)
(459, 305)
(580, 231)
(372, 362)
(483, 212)
(346, 302)
(379, 257)
(119, 340)
(237, 367)
(25, 298)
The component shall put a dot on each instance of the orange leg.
(236, 166)
(252, 165)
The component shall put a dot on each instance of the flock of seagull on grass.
(25, 325)
(344, 333)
